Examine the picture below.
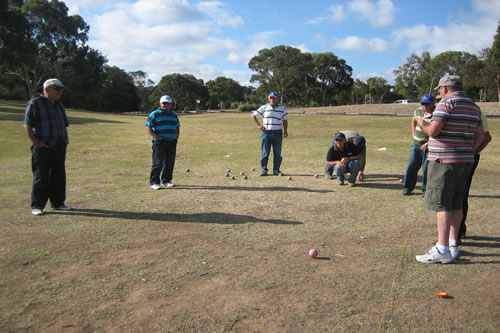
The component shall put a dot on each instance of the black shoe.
(263, 173)
(406, 191)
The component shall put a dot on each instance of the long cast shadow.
(250, 188)
(217, 218)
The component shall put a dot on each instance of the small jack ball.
(242, 173)
(313, 253)
(228, 170)
(289, 177)
(401, 180)
(315, 176)
(253, 169)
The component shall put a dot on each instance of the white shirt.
(272, 117)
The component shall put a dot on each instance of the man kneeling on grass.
(344, 157)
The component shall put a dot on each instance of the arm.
(431, 129)
(152, 133)
(481, 140)
(285, 128)
(487, 139)
(28, 129)
(178, 133)
(259, 126)
(413, 125)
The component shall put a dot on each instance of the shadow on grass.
(250, 188)
(485, 196)
(18, 115)
(217, 218)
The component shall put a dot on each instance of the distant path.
(404, 110)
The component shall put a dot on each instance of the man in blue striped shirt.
(274, 127)
(164, 126)
(45, 123)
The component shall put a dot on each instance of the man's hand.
(423, 147)
(261, 128)
(40, 145)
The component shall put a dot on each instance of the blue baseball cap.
(427, 99)
(273, 94)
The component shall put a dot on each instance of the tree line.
(39, 40)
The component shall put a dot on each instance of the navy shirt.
(350, 150)
(49, 121)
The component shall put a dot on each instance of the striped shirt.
(272, 116)
(420, 137)
(164, 124)
(49, 121)
(461, 117)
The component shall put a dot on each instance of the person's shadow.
(213, 217)
(477, 242)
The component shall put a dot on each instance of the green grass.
(216, 254)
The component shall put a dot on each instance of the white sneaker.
(170, 184)
(455, 254)
(434, 256)
(155, 187)
(37, 212)
(63, 207)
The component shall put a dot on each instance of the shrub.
(248, 107)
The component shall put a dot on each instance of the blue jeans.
(353, 167)
(163, 161)
(271, 138)
(418, 159)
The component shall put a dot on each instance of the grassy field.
(222, 255)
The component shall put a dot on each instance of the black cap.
(339, 136)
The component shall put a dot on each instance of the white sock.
(442, 248)
(453, 242)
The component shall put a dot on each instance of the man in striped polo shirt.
(164, 126)
(418, 152)
(455, 134)
(45, 125)
(274, 127)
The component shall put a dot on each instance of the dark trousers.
(163, 161)
(49, 176)
(465, 207)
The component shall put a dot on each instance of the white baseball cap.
(52, 82)
(165, 98)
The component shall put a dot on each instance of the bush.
(234, 105)
(248, 107)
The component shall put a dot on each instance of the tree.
(225, 90)
(332, 75)
(184, 89)
(278, 68)
(495, 59)
(143, 85)
(53, 38)
(117, 91)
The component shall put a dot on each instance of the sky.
(209, 39)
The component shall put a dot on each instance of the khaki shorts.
(446, 185)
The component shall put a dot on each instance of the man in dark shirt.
(344, 157)
(45, 125)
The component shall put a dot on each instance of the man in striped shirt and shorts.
(455, 134)
(274, 128)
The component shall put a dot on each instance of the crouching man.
(345, 158)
